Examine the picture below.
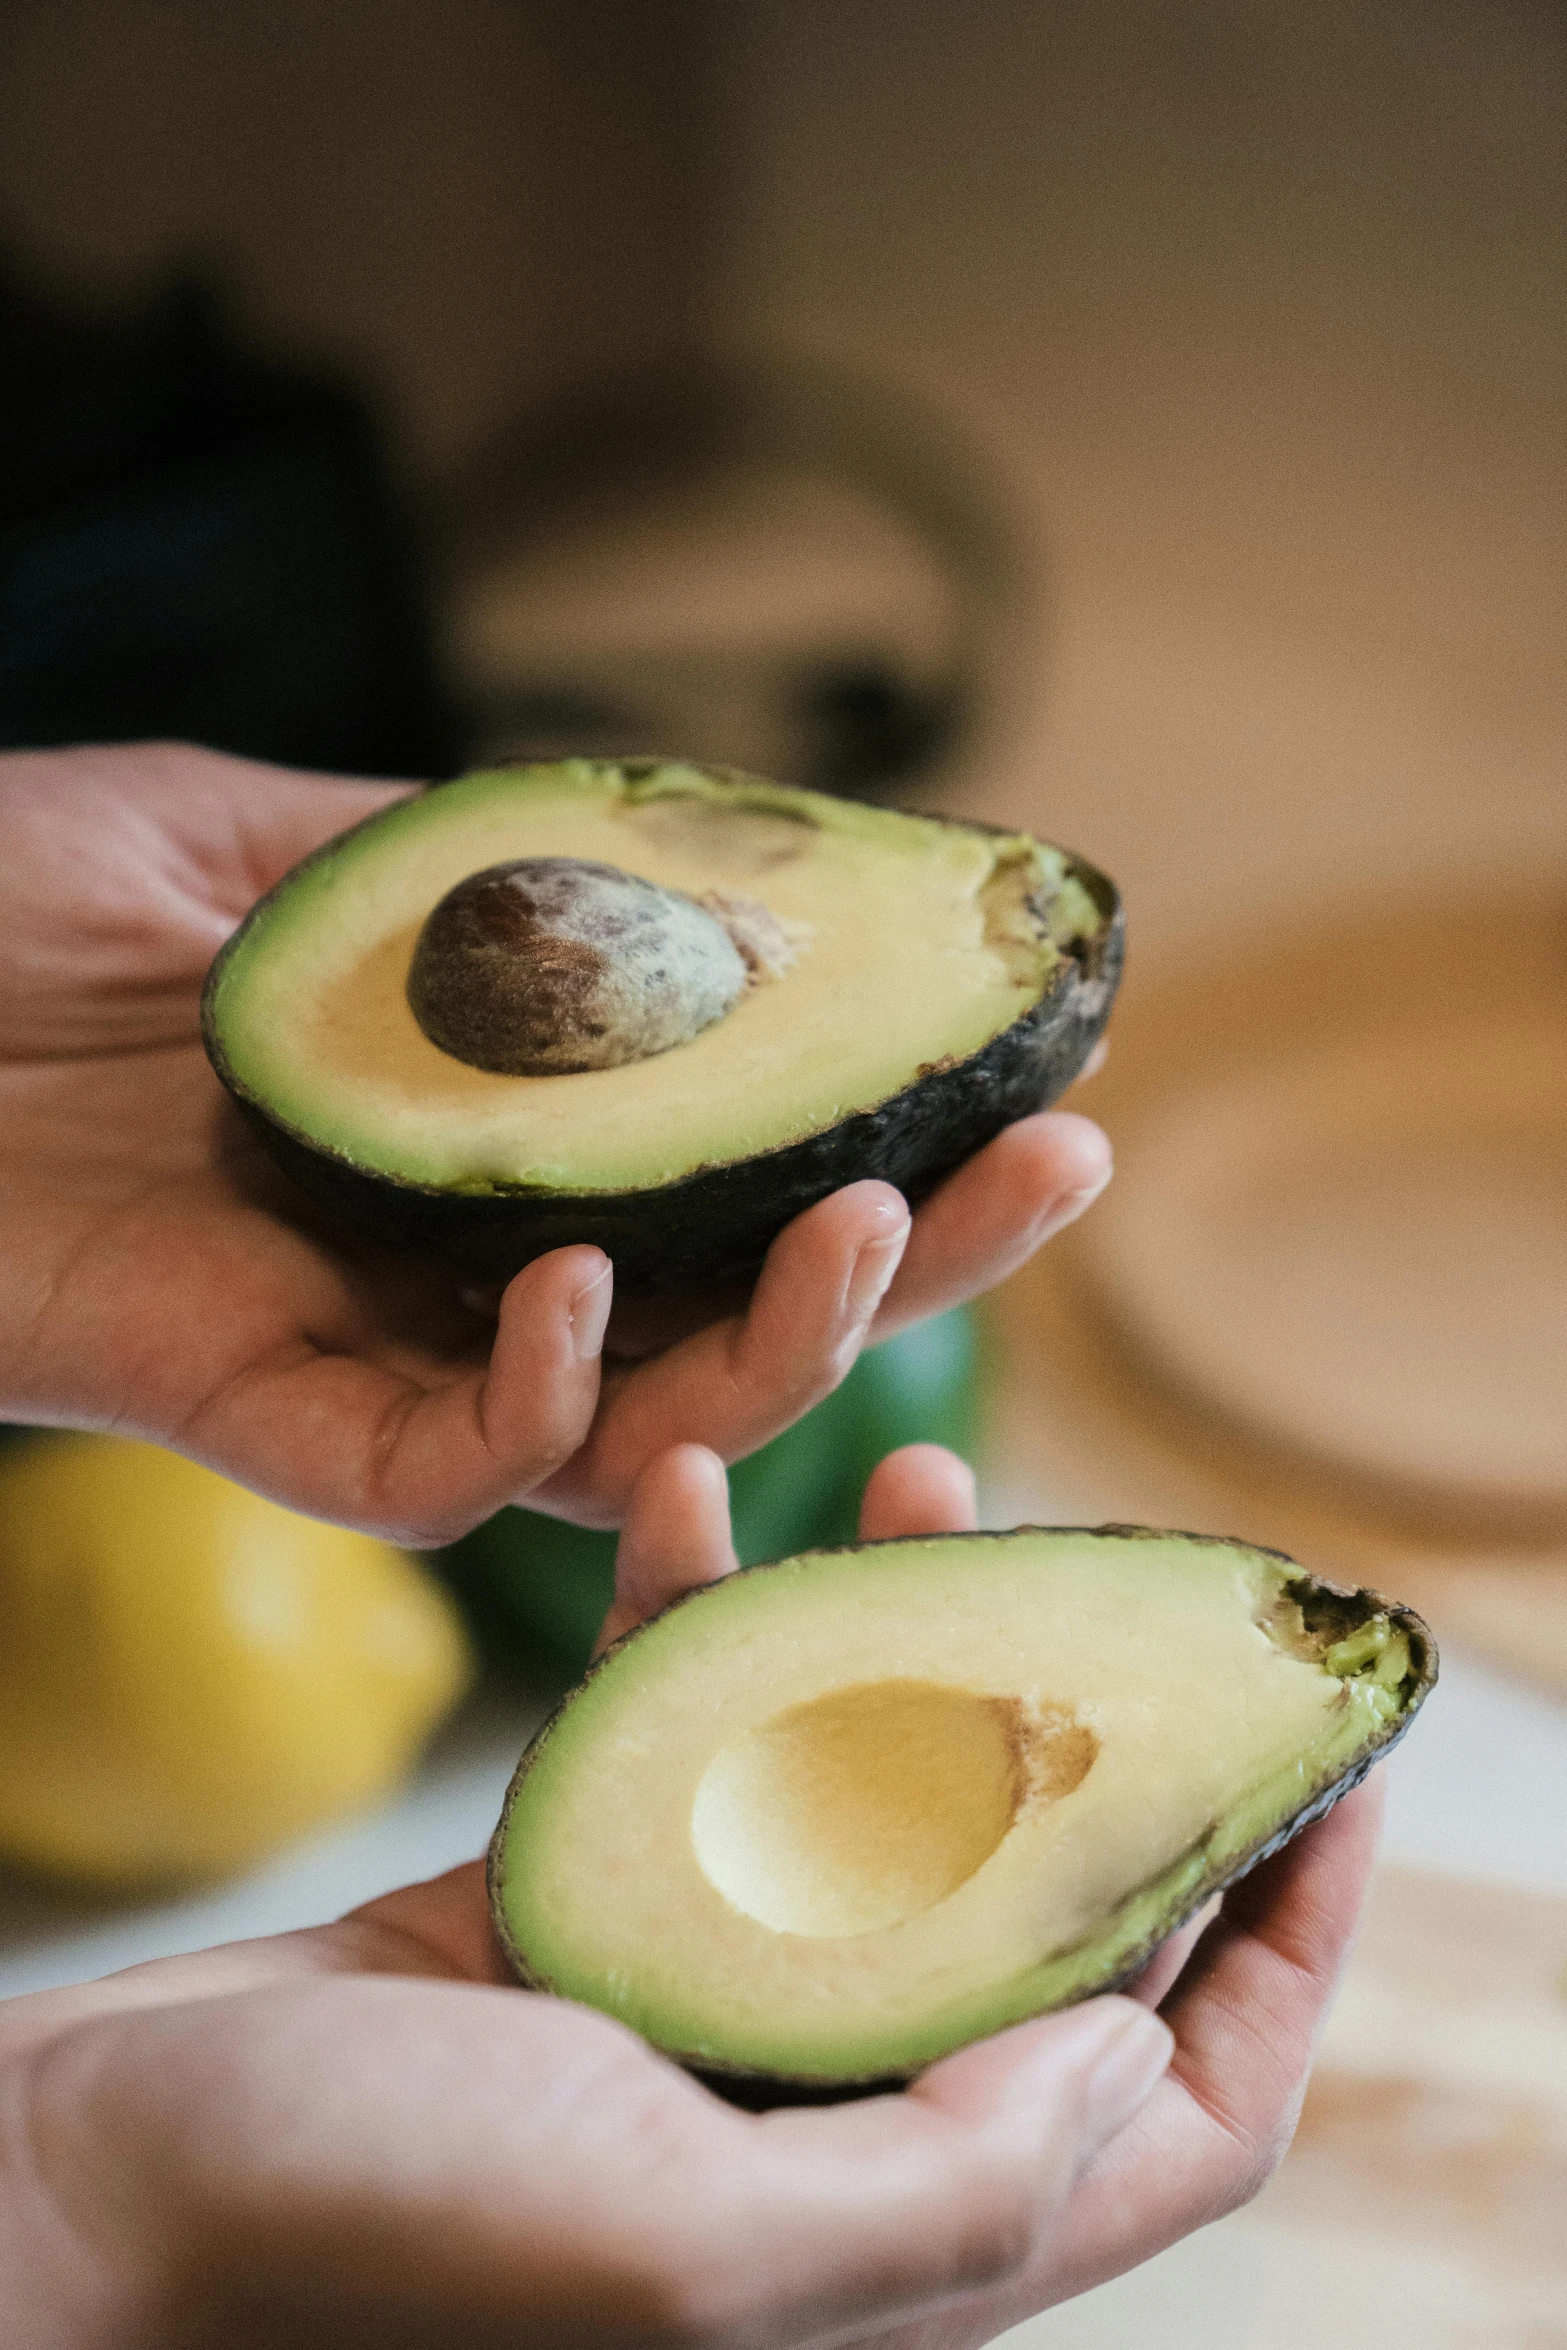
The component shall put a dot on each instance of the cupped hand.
(160, 1279)
(361, 2134)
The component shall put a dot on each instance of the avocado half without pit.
(823, 1822)
(651, 1006)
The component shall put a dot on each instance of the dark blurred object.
(200, 543)
(769, 565)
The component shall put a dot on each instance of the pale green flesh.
(1212, 1731)
(914, 946)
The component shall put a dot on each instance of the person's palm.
(159, 1278)
(362, 2134)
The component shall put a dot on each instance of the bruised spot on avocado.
(1347, 1634)
(544, 966)
(1056, 1752)
(768, 946)
(1281, 1621)
(742, 843)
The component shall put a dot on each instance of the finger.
(440, 1926)
(1246, 2015)
(898, 2205)
(491, 1436)
(817, 1294)
(1164, 1969)
(228, 828)
(156, 851)
(245, 821)
(1259, 1988)
(342, 1438)
(920, 1489)
(676, 1536)
(283, 816)
(740, 1382)
(991, 1216)
(1112, 2052)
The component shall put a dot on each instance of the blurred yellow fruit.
(189, 1675)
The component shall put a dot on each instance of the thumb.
(199, 835)
(957, 2186)
(279, 814)
(1087, 2069)
(676, 1536)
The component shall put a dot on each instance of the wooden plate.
(1358, 1249)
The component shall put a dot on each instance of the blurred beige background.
(1252, 316)
(1263, 308)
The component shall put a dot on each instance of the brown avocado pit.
(544, 966)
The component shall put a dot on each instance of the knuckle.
(545, 1455)
(999, 2243)
(1264, 2151)
(1251, 2157)
(689, 2312)
(995, 2221)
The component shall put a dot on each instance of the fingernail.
(589, 1315)
(1129, 2068)
(873, 1270)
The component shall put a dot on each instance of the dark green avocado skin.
(718, 1222)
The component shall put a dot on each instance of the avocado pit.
(544, 966)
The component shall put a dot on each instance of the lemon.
(189, 1675)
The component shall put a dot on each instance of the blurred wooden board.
(1076, 1436)
(1323, 1305)
(1358, 1249)
(1421, 2205)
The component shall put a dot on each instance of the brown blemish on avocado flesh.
(549, 965)
(1055, 1751)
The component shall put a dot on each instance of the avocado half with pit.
(823, 1822)
(650, 1006)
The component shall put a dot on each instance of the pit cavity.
(864, 1808)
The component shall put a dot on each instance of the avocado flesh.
(919, 941)
(830, 1819)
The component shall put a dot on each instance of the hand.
(359, 2134)
(160, 1279)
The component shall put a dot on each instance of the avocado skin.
(1339, 1611)
(719, 1221)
